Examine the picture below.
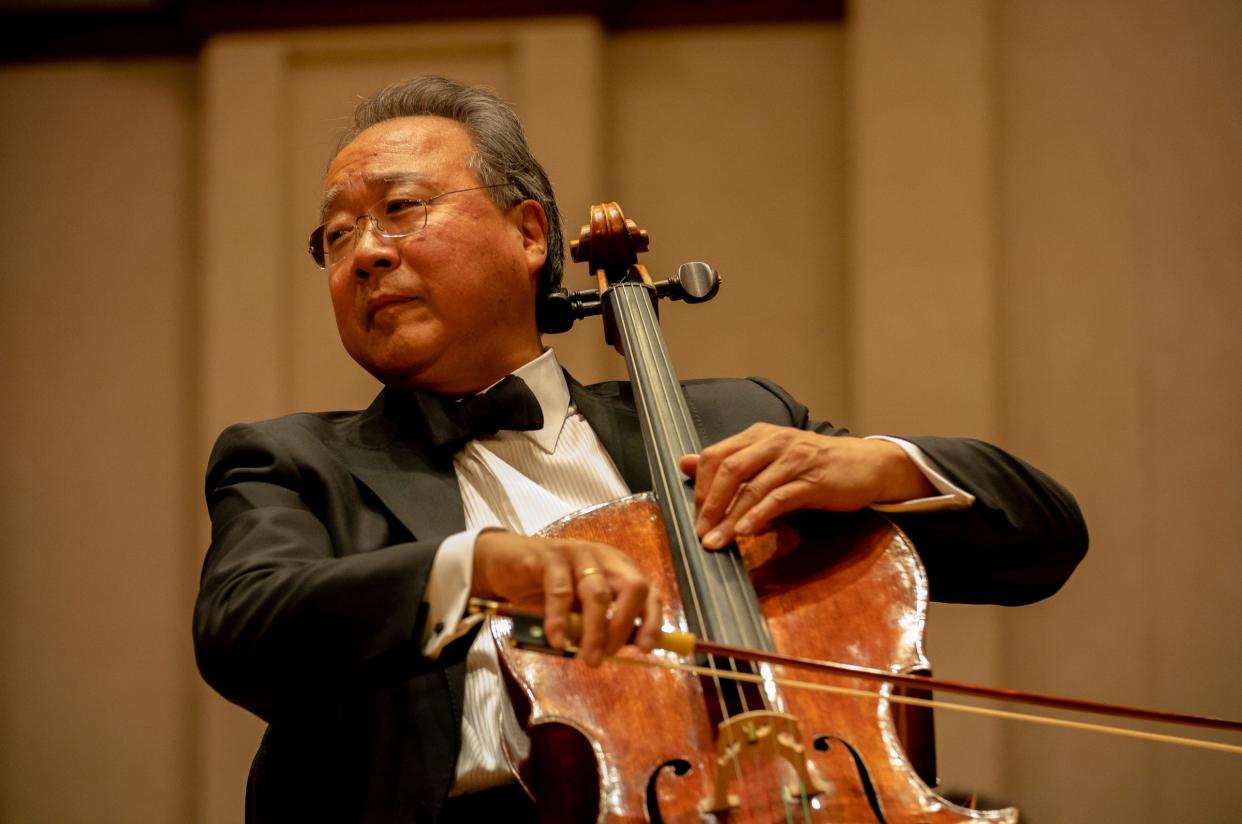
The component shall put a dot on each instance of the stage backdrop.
(1015, 220)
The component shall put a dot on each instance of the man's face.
(450, 309)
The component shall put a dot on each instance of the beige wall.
(98, 504)
(1121, 365)
(1018, 220)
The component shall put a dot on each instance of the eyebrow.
(385, 179)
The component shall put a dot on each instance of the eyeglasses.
(401, 217)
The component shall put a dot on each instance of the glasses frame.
(319, 254)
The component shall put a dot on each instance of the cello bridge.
(753, 738)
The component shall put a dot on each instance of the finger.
(628, 607)
(772, 483)
(689, 465)
(722, 533)
(796, 494)
(558, 598)
(709, 461)
(595, 596)
(779, 487)
(653, 619)
(725, 466)
(734, 477)
(811, 473)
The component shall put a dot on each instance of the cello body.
(633, 744)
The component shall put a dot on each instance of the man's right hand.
(556, 576)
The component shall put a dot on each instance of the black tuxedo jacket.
(324, 528)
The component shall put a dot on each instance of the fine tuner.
(695, 282)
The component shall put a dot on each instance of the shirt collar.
(547, 381)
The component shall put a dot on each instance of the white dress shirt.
(521, 482)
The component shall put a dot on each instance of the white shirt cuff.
(448, 592)
(951, 495)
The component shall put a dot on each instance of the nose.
(372, 251)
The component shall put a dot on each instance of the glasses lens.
(332, 242)
(398, 218)
(315, 247)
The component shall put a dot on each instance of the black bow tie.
(508, 405)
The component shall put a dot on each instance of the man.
(345, 545)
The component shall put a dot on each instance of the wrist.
(902, 479)
(480, 581)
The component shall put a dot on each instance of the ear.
(532, 224)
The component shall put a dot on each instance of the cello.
(632, 744)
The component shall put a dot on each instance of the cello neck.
(719, 598)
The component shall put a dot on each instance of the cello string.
(1125, 732)
(633, 303)
(682, 435)
(668, 406)
(623, 294)
(663, 406)
(629, 306)
(728, 565)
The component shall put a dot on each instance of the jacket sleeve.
(1018, 543)
(302, 595)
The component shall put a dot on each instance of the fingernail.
(714, 539)
(743, 527)
(700, 526)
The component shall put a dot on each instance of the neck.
(461, 382)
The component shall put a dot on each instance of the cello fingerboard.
(719, 597)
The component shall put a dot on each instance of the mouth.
(379, 303)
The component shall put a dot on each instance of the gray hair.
(500, 156)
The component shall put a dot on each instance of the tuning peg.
(557, 311)
(694, 282)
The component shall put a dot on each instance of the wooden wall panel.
(1016, 220)
(727, 145)
(96, 336)
(922, 285)
(1121, 138)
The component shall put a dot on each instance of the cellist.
(345, 545)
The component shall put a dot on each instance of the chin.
(398, 373)
(396, 359)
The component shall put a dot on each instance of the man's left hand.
(743, 482)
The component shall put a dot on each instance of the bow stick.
(528, 634)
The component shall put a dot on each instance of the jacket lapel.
(616, 423)
(388, 452)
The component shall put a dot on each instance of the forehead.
(434, 150)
